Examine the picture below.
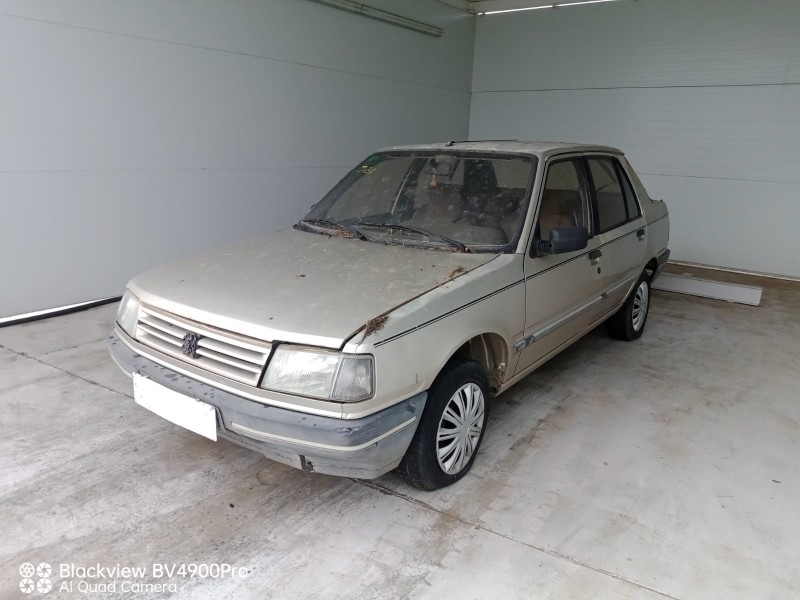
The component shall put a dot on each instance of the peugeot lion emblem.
(190, 344)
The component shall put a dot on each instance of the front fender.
(418, 339)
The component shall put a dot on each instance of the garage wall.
(704, 98)
(141, 131)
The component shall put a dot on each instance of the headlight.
(128, 313)
(319, 374)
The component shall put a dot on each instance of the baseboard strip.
(55, 312)
(705, 288)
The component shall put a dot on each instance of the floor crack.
(46, 364)
(554, 553)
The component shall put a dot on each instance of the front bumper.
(364, 448)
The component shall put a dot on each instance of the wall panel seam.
(168, 169)
(236, 53)
(719, 178)
(639, 87)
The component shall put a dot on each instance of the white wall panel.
(108, 225)
(752, 226)
(138, 132)
(704, 98)
(643, 42)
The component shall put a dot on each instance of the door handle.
(640, 234)
(595, 255)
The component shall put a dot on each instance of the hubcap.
(460, 428)
(640, 301)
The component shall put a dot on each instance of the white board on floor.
(730, 292)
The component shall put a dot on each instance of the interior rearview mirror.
(442, 166)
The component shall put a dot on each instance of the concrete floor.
(667, 467)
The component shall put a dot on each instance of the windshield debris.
(416, 230)
(342, 228)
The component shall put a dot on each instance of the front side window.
(467, 200)
(565, 198)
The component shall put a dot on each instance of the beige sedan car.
(374, 334)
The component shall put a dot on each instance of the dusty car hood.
(298, 286)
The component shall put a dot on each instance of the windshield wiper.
(455, 243)
(340, 226)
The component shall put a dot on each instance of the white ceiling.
(480, 6)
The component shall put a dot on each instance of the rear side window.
(614, 193)
(630, 198)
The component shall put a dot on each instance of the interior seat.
(437, 205)
(554, 213)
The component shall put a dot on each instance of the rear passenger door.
(620, 226)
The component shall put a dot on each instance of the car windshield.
(458, 201)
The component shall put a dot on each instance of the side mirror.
(568, 239)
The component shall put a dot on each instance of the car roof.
(540, 149)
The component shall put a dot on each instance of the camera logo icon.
(43, 571)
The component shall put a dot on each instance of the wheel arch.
(490, 350)
(651, 267)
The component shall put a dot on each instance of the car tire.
(629, 321)
(442, 451)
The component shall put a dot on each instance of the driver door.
(562, 291)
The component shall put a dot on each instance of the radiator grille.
(222, 352)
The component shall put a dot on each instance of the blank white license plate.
(182, 410)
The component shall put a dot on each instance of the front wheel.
(450, 432)
(628, 323)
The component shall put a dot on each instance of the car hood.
(297, 286)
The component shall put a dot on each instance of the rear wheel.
(628, 323)
(451, 430)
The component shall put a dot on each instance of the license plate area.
(173, 406)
